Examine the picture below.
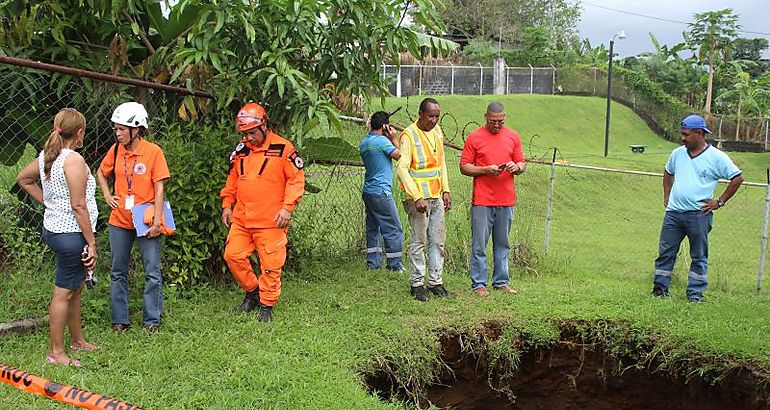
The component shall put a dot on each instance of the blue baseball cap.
(695, 122)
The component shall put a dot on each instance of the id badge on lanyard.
(129, 181)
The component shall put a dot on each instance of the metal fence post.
(452, 81)
(481, 79)
(549, 209)
(398, 82)
(507, 72)
(531, 78)
(763, 245)
(419, 87)
(553, 79)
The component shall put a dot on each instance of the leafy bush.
(197, 157)
(660, 106)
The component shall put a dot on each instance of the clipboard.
(137, 214)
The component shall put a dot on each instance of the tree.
(712, 32)
(676, 75)
(750, 96)
(293, 56)
(750, 49)
(507, 19)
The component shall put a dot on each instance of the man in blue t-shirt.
(377, 150)
(689, 180)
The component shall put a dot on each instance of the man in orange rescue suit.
(265, 183)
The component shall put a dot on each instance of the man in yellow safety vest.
(425, 184)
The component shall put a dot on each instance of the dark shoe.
(398, 269)
(250, 302)
(265, 313)
(419, 293)
(659, 292)
(151, 329)
(439, 291)
(119, 327)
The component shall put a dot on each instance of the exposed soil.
(573, 375)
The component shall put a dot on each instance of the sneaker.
(265, 313)
(419, 293)
(482, 291)
(151, 329)
(507, 289)
(439, 291)
(659, 292)
(250, 302)
(119, 327)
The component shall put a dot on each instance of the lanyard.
(129, 178)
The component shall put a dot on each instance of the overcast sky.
(599, 24)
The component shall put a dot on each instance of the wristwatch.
(720, 202)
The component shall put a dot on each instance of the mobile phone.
(90, 278)
(501, 166)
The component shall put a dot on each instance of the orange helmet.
(250, 116)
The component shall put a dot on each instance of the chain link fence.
(328, 226)
(29, 100)
(748, 134)
(622, 229)
(408, 80)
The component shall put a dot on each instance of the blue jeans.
(382, 220)
(486, 220)
(695, 225)
(121, 242)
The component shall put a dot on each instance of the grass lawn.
(340, 321)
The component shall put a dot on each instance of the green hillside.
(575, 125)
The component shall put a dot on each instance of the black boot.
(265, 313)
(250, 302)
(419, 293)
(439, 290)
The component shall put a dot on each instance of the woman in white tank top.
(69, 221)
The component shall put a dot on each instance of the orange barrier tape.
(60, 392)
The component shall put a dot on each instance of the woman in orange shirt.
(140, 171)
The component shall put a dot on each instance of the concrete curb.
(23, 326)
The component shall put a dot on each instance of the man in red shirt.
(492, 156)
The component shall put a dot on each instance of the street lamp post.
(620, 35)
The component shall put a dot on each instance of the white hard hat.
(131, 114)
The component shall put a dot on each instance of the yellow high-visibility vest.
(427, 159)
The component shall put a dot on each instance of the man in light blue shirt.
(690, 177)
(377, 150)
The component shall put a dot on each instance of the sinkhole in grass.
(572, 373)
